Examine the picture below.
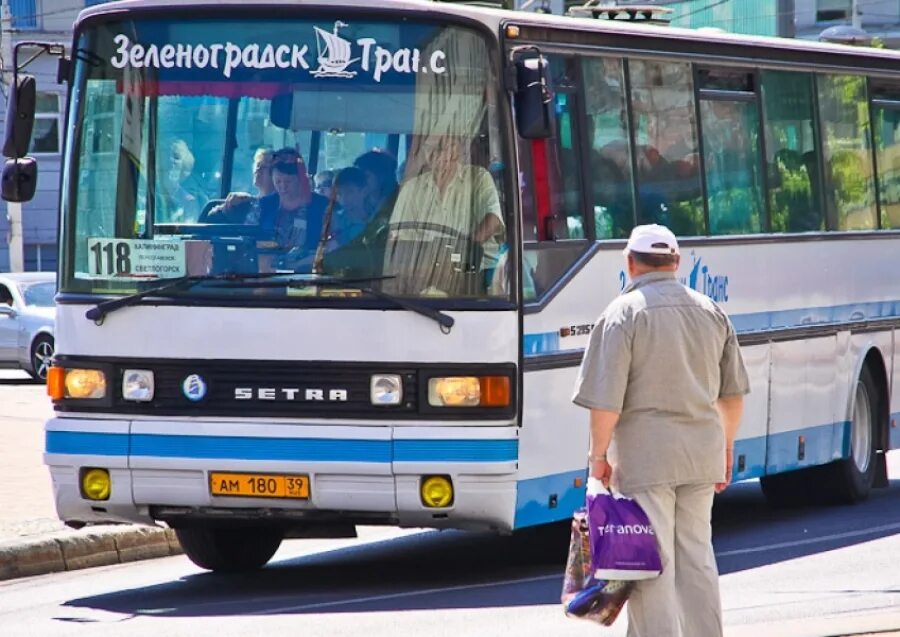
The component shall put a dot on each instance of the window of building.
(828, 10)
(40, 257)
(24, 14)
(45, 138)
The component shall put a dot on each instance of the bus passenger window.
(847, 151)
(887, 145)
(731, 157)
(662, 102)
(612, 196)
(792, 153)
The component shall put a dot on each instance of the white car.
(27, 313)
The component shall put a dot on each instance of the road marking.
(812, 540)
(379, 598)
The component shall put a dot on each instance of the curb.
(92, 546)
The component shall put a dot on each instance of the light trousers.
(684, 601)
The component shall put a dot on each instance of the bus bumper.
(357, 473)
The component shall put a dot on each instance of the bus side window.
(847, 152)
(610, 183)
(732, 155)
(792, 152)
(667, 157)
(554, 225)
(887, 145)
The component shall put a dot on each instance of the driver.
(450, 199)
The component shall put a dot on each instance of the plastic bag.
(623, 544)
(583, 596)
(612, 545)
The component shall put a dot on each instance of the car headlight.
(138, 385)
(386, 389)
(469, 391)
(85, 383)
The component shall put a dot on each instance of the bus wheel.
(236, 549)
(850, 480)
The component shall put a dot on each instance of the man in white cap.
(664, 380)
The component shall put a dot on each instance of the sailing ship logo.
(334, 53)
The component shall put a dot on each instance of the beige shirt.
(465, 202)
(660, 355)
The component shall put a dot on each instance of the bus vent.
(643, 13)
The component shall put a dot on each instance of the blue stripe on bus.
(533, 498)
(456, 450)
(549, 342)
(533, 502)
(290, 449)
(83, 443)
(894, 432)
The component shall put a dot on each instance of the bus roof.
(839, 54)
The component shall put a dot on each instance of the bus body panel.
(308, 335)
(801, 352)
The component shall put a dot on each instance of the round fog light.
(95, 484)
(437, 492)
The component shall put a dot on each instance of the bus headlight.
(138, 385)
(436, 492)
(469, 391)
(95, 484)
(386, 389)
(85, 383)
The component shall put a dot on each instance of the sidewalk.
(32, 540)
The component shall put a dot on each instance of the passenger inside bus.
(380, 169)
(293, 218)
(242, 207)
(354, 214)
(323, 183)
(182, 195)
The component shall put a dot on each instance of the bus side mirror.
(531, 100)
(19, 180)
(19, 118)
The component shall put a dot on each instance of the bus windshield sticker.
(114, 258)
(335, 56)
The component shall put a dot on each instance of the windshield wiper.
(444, 320)
(99, 311)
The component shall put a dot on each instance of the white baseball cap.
(652, 239)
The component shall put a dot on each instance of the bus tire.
(850, 480)
(232, 549)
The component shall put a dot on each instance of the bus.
(401, 349)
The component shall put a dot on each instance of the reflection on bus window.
(669, 190)
(731, 157)
(847, 151)
(610, 159)
(887, 144)
(792, 153)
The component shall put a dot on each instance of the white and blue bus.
(416, 368)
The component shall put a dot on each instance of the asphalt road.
(816, 572)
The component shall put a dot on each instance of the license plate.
(259, 485)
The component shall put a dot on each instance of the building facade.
(50, 21)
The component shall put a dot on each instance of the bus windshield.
(365, 150)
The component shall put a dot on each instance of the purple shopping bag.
(623, 544)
